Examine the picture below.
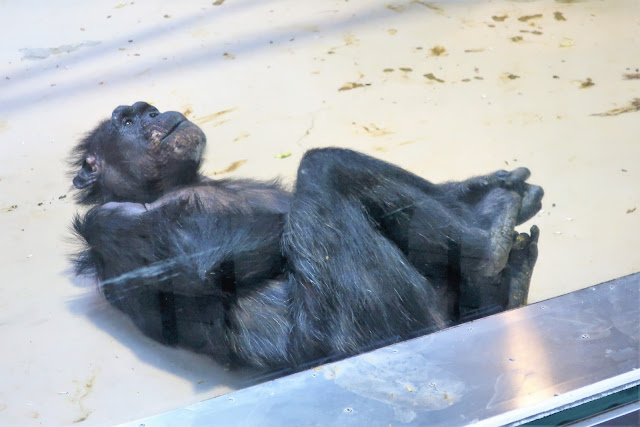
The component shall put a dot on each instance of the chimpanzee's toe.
(523, 257)
(531, 203)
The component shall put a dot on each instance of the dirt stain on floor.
(530, 17)
(587, 83)
(350, 39)
(83, 389)
(242, 136)
(232, 167)
(438, 50)
(631, 108)
(352, 85)
(430, 76)
(428, 5)
(558, 16)
(373, 130)
(403, 7)
(214, 116)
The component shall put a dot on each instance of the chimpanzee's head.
(137, 155)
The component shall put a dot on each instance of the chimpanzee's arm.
(188, 231)
(188, 274)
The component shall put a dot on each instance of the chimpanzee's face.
(137, 155)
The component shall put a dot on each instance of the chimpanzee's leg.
(346, 241)
(371, 246)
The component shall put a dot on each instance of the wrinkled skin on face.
(137, 155)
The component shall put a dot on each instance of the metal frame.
(508, 369)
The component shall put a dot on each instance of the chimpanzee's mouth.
(173, 128)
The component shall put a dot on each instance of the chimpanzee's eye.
(127, 122)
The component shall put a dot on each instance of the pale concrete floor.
(508, 83)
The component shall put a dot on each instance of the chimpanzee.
(360, 254)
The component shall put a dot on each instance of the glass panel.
(357, 253)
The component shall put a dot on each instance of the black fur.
(360, 254)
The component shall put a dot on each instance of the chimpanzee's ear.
(88, 174)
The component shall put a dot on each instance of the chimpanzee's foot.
(496, 213)
(480, 185)
(474, 189)
(522, 259)
(531, 202)
(500, 201)
(482, 296)
(531, 194)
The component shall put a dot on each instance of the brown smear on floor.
(529, 17)
(430, 76)
(210, 117)
(428, 5)
(352, 85)
(82, 392)
(403, 7)
(587, 83)
(558, 16)
(631, 108)
(241, 136)
(232, 167)
(350, 39)
(374, 130)
(438, 50)
(9, 209)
